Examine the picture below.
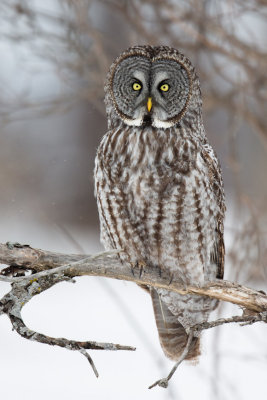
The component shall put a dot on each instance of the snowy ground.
(233, 363)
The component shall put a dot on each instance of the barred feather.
(159, 190)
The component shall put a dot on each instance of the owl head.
(152, 85)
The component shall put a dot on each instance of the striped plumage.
(159, 187)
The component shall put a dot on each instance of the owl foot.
(139, 266)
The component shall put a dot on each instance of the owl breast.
(155, 201)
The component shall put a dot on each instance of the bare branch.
(107, 264)
(243, 319)
(165, 381)
(49, 268)
(21, 293)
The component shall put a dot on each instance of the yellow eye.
(137, 86)
(165, 87)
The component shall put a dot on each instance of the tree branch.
(46, 269)
(165, 381)
(107, 264)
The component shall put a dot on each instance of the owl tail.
(172, 335)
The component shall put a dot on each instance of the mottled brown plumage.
(158, 184)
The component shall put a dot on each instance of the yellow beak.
(149, 104)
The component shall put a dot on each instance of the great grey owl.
(158, 184)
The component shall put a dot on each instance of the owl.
(159, 187)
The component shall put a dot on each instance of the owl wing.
(216, 184)
(217, 254)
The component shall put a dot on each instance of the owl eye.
(137, 86)
(165, 87)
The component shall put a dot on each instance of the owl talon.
(132, 268)
(139, 265)
(170, 282)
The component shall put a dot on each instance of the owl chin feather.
(147, 120)
(134, 122)
(157, 123)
